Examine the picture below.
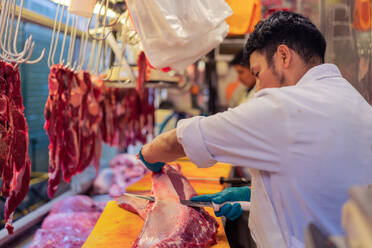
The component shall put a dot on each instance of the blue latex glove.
(231, 212)
(155, 167)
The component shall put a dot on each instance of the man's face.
(245, 76)
(267, 76)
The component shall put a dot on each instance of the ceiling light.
(110, 12)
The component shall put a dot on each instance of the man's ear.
(284, 55)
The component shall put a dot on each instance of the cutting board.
(189, 169)
(118, 228)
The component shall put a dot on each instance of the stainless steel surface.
(203, 179)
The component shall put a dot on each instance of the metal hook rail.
(10, 53)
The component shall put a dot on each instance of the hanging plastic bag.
(177, 33)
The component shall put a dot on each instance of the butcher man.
(306, 136)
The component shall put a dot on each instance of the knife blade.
(245, 205)
(146, 197)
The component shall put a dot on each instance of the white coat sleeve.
(253, 135)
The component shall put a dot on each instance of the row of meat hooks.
(8, 37)
(96, 36)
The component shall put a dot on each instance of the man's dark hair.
(288, 28)
(238, 59)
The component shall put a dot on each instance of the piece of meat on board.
(135, 205)
(169, 223)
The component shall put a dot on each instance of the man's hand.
(231, 212)
(164, 148)
(155, 167)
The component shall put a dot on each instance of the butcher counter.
(119, 228)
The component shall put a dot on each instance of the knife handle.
(236, 181)
(246, 205)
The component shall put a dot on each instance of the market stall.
(101, 99)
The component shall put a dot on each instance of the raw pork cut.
(68, 224)
(125, 169)
(78, 222)
(15, 165)
(65, 230)
(103, 182)
(46, 238)
(167, 222)
(76, 203)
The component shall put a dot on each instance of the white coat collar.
(319, 72)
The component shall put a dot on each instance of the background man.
(241, 91)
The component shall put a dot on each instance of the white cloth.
(310, 143)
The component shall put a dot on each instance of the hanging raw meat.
(181, 226)
(72, 114)
(141, 79)
(92, 114)
(127, 117)
(81, 112)
(14, 160)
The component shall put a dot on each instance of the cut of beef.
(135, 205)
(81, 112)
(169, 223)
(72, 117)
(128, 118)
(14, 160)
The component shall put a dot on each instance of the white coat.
(306, 145)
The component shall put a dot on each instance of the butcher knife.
(145, 197)
(244, 204)
(222, 180)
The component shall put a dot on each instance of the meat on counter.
(68, 224)
(167, 222)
